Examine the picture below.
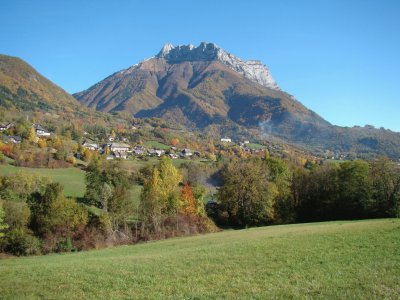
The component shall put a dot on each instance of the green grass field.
(73, 179)
(157, 145)
(255, 146)
(334, 260)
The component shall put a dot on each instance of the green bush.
(2, 159)
(19, 242)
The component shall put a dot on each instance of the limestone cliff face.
(251, 69)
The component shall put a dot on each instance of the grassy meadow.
(346, 260)
(73, 179)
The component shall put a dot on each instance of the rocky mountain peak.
(252, 69)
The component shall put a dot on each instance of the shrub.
(2, 159)
(19, 242)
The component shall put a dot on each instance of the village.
(115, 147)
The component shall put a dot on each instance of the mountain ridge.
(206, 88)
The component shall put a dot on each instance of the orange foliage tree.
(6, 149)
(174, 142)
(188, 200)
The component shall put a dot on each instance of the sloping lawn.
(73, 179)
(334, 260)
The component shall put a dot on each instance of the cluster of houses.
(40, 131)
(123, 150)
(243, 145)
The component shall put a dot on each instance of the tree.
(31, 135)
(66, 217)
(168, 187)
(100, 172)
(188, 200)
(3, 225)
(247, 194)
(385, 179)
(106, 193)
(281, 176)
(20, 186)
(56, 219)
(94, 182)
(41, 206)
(174, 142)
(160, 194)
(120, 207)
(42, 143)
(17, 214)
(355, 190)
(316, 193)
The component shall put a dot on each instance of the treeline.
(266, 191)
(36, 217)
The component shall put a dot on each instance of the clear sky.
(340, 58)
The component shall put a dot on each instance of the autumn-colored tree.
(174, 142)
(87, 155)
(247, 194)
(188, 200)
(72, 160)
(6, 149)
(211, 147)
(160, 195)
(31, 135)
(42, 143)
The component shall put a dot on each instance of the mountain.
(23, 87)
(208, 89)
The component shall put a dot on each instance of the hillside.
(321, 260)
(23, 87)
(28, 97)
(210, 90)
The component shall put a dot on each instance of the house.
(12, 139)
(6, 126)
(103, 148)
(41, 131)
(226, 140)
(89, 144)
(156, 152)
(139, 150)
(122, 155)
(173, 156)
(120, 147)
(186, 152)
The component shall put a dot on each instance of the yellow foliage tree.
(42, 143)
(32, 135)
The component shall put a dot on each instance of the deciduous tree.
(247, 194)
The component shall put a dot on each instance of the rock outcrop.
(251, 69)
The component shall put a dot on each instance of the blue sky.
(339, 58)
